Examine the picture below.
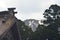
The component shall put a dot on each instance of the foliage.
(53, 17)
(43, 32)
(25, 31)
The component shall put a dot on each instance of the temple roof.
(4, 27)
(11, 8)
(4, 12)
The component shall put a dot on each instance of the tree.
(39, 34)
(52, 16)
(25, 31)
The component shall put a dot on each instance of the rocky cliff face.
(32, 23)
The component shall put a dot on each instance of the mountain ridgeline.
(50, 29)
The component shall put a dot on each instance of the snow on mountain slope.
(32, 23)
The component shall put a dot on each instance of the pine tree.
(52, 16)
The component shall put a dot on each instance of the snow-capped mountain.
(32, 23)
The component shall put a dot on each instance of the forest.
(50, 30)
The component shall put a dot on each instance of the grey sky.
(28, 8)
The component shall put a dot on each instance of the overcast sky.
(28, 9)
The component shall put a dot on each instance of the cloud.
(28, 8)
(36, 15)
(34, 8)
